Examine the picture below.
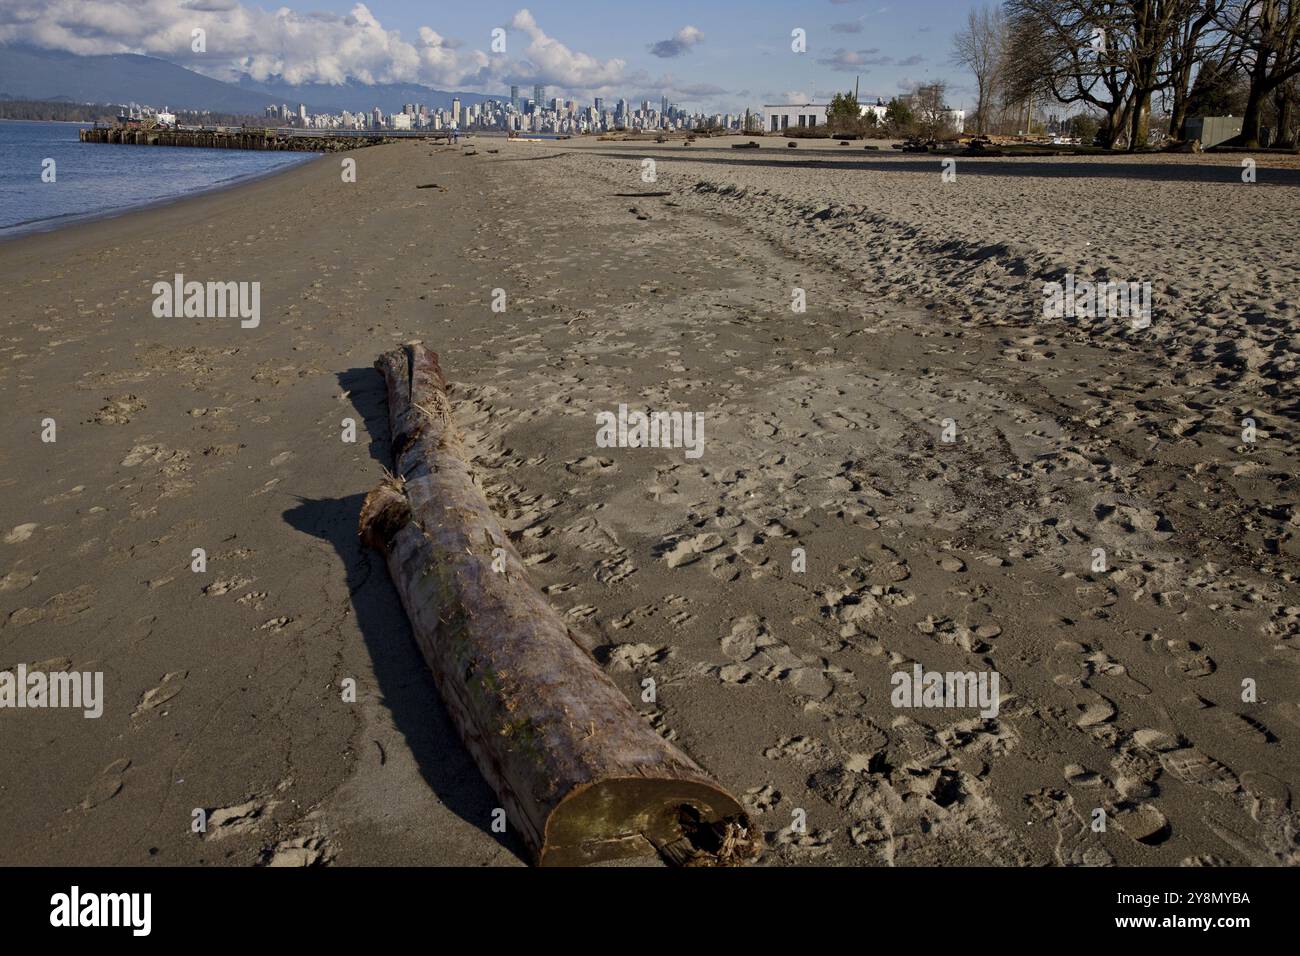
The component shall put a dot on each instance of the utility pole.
(855, 87)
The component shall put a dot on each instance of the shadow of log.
(407, 688)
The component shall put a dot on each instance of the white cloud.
(547, 60)
(300, 47)
(681, 42)
(850, 60)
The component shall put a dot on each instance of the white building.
(876, 109)
(798, 115)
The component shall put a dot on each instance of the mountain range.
(29, 73)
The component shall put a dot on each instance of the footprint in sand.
(629, 657)
(751, 643)
(613, 570)
(303, 851)
(1189, 663)
(658, 722)
(1093, 709)
(18, 580)
(1194, 767)
(107, 785)
(1076, 843)
(119, 410)
(1245, 727)
(153, 699)
(580, 612)
(811, 843)
(946, 631)
(1076, 775)
(1081, 671)
(1143, 823)
(590, 465)
(20, 533)
(1268, 798)
(230, 821)
(226, 585)
(689, 550)
(63, 608)
(758, 800)
(801, 748)
(723, 567)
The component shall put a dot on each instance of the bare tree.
(1146, 32)
(1116, 55)
(1192, 45)
(1072, 51)
(1269, 34)
(981, 48)
(1285, 99)
(930, 109)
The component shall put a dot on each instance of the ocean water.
(93, 179)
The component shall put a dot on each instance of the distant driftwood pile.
(579, 772)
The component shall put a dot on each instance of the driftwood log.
(579, 772)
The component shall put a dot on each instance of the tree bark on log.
(577, 769)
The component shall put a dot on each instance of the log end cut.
(686, 822)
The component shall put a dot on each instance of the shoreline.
(35, 227)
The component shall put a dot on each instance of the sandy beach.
(917, 468)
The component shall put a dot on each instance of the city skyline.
(518, 114)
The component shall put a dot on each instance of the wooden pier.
(245, 137)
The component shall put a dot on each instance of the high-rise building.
(455, 112)
(664, 109)
(514, 97)
(539, 95)
(600, 104)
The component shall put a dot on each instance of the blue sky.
(745, 50)
(721, 55)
